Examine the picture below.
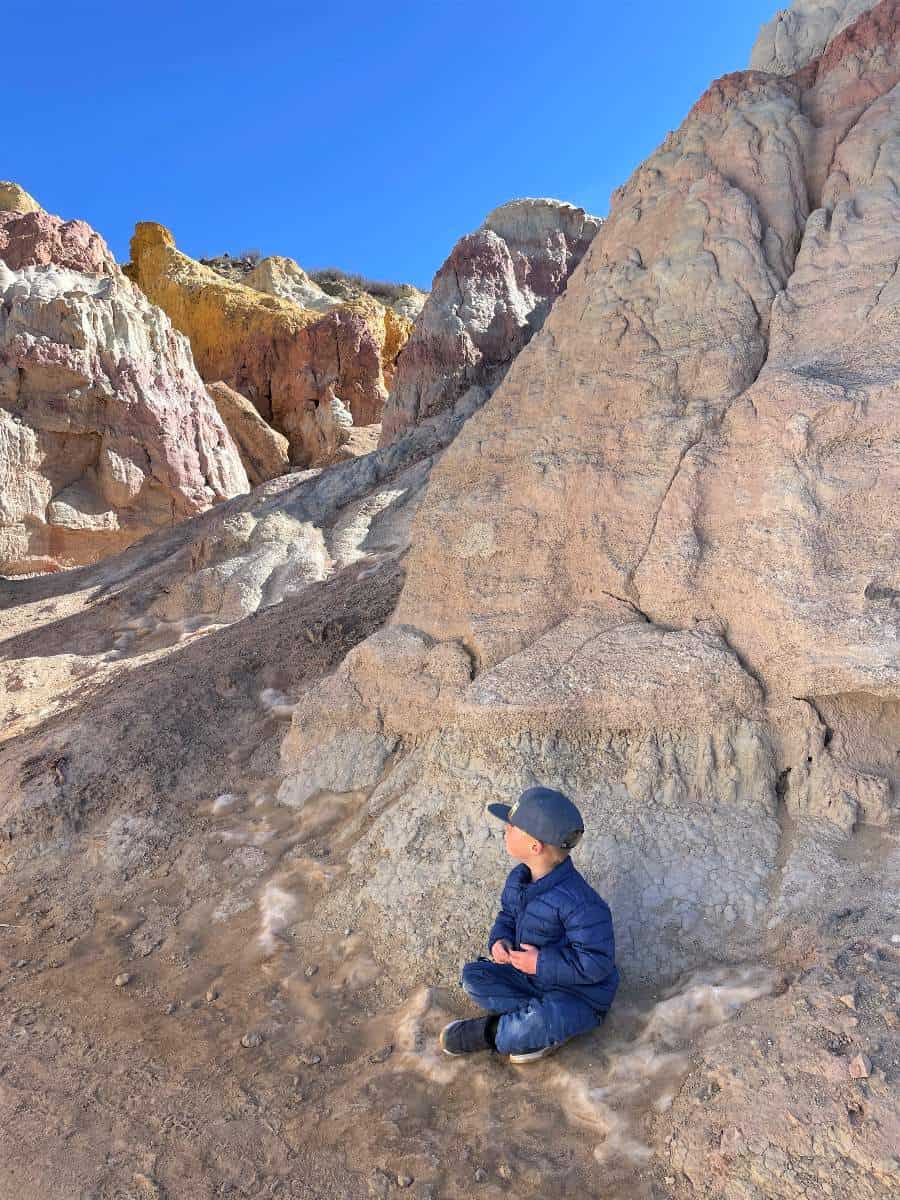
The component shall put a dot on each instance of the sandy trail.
(251, 1054)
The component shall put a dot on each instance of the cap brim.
(499, 810)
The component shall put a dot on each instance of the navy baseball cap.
(547, 815)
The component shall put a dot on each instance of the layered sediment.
(287, 360)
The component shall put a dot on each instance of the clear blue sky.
(366, 136)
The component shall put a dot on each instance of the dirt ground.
(174, 1021)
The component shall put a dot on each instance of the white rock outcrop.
(797, 35)
(106, 430)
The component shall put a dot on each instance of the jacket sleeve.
(588, 954)
(504, 925)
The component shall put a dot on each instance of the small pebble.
(382, 1055)
(848, 1000)
(404, 1181)
(212, 994)
(148, 1185)
(169, 1009)
(860, 1067)
(23, 962)
(310, 1060)
(121, 979)
(251, 1040)
(348, 931)
(310, 971)
(481, 1175)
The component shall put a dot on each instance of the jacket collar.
(551, 879)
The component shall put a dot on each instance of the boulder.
(487, 300)
(263, 451)
(106, 430)
(281, 356)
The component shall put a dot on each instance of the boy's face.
(519, 844)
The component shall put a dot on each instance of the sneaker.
(465, 1037)
(533, 1055)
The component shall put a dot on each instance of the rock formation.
(650, 569)
(656, 567)
(407, 301)
(283, 277)
(797, 35)
(284, 358)
(263, 451)
(279, 276)
(487, 300)
(674, 483)
(106, 431)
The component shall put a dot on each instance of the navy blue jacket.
(570, 924)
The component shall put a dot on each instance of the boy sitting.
(552, 972)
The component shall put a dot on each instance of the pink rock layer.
(37, 239)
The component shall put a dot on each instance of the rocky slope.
(286, 359)
(106, 430)
(486, 302)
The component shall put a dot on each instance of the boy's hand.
(525, 960)
(500, 950)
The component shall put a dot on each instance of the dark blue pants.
(532, 1017)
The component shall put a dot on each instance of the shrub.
(335, 282)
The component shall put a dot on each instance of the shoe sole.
(533, 1056)
(451, 1053)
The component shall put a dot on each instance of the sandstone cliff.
(487, 300)
(284, 358)
(106, 431)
